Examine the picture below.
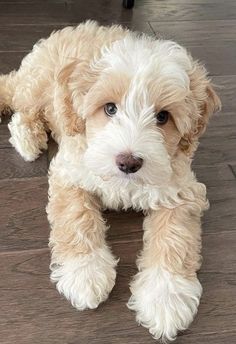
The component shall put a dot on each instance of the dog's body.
(126, 111)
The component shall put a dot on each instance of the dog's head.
(147, 102)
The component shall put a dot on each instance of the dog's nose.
(128, 163)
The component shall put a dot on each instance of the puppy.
(127, 111)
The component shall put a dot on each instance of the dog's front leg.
(82, 265)
(166, 291)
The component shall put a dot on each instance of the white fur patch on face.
(144, 55)
(165, 303)
(132, 130)
(86, 280)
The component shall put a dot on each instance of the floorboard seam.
(28, 251)
(232, 170)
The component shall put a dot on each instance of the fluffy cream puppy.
(127, 111)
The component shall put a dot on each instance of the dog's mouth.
(121, 179)
(121, 176)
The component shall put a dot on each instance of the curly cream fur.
(62, 87)
(82, 265)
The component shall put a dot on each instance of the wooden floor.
(31, 311)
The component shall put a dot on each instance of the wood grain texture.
(10, 60)
(218, 144)
(13, 166)
(154, 10)
(226, 88)
(193, 33)
(11, 36)
(23, 220)
(112, 11)
(207, 55)
(4, 136)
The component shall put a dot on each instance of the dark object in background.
(128, 3)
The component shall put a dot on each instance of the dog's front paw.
(164, 303)
(28, 137)
(86, 280)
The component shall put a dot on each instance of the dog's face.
(149, 102)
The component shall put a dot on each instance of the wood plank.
(21, 38)
(112, 11)
(23, 219)
(138, 25)
(218, 254)
(212, 151)
(32, 2)
(4, 136)
(197, 33)
(214, 175)
(185, 11)
(221, 124)
(62, 12)
(124, 226)
(214, 148)
(216, 66)
(221, 191)
(145, 1)
(10, 61)
(171, 1)
(226, 90)
(13, 166)
(17, 12)
(209, 338)
(161, 11)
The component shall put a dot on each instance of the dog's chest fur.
(117, 194)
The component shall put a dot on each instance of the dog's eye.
(162, 117)
(110, 109)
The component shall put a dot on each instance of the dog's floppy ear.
(71, 122)
(206, 102)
